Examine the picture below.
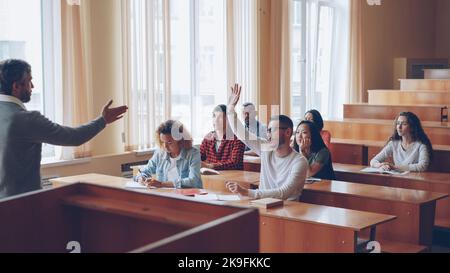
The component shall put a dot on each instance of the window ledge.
(144, 152)
(50, 162)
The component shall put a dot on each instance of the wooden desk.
(433, 182)
(414, 209)
(252, 163)
(217, 182)
(295, 227)
(107, 219)
(211, 182)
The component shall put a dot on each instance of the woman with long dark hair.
(315, 117)
(409, 147)
(309, 143)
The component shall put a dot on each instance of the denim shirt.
(188, 166)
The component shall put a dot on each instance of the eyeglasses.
(270, 130)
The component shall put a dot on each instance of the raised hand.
(112, 114)
(235, 95)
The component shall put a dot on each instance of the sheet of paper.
(134, 185)
(377, 170)
(206, 197)
(228, 197)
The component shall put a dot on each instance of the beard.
(25, 96)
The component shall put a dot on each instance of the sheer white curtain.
(75, 102)
(356, 61)
(146, 69)
(180, 58)
(242, 47)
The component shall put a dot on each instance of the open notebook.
(377, 170)
(134, 185)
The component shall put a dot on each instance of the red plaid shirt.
(230, 155)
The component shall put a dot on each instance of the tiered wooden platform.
(366, 127)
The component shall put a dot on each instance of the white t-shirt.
(281, 177)
(172, 172)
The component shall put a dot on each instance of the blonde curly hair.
(169, 127)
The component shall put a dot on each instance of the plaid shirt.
(230, 155)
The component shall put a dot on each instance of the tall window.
(319, 53)
(29, 32)
(198, 68)
(176, 65)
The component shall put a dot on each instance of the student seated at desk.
(315, 117)
(409, 147)
(220, 149)
(283, 171)
(254, 126)
(176, 163)
(309, 143)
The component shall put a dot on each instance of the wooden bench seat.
(425, 112)
(408, 97)
(424, 84)
(381, 130)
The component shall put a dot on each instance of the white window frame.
(308, 70)
(52, 64)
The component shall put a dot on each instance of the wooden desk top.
(324, 215)
(294, 211)
(252, 159)
(430, 177)
(235, 175)
(92, 178)
(375, 192)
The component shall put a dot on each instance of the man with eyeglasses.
(283, 171)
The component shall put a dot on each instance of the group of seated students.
(288, 157)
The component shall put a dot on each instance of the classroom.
(224, 126)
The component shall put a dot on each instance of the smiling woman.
(176, 163)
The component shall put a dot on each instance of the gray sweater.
(22, 133)
(415, 159)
